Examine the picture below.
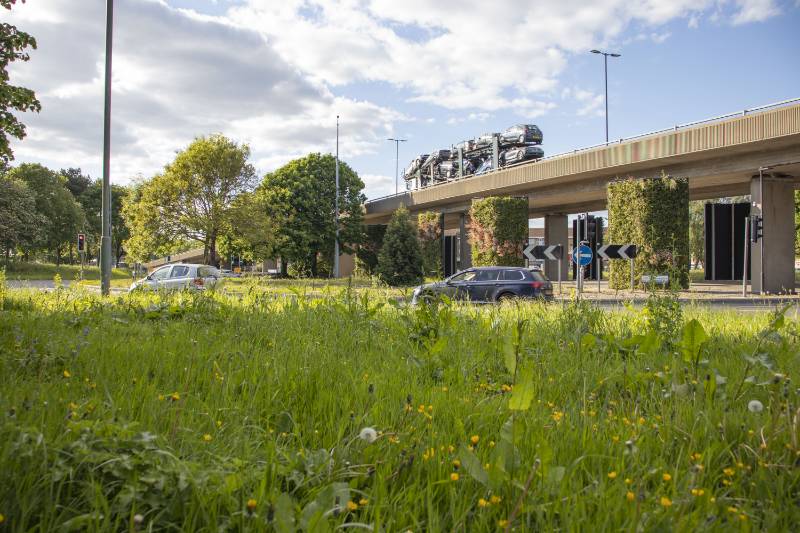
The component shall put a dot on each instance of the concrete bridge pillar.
(772, 258)
(556, 231)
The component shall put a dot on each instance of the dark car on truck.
(521, 134)
(489, 284)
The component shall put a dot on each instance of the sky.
(275, 74)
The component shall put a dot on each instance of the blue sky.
(275, 74)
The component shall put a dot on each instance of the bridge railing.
(677, 127)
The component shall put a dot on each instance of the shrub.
(367, 252)
(429, 231)
(653, 214)
(498, 231)
(400, 259)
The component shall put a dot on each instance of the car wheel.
(506, 297)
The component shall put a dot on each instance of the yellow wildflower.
(351, 505)
(482, 502)
(628, 481)
(495, 499)
(454, 476)
(456, 463)
(363, 501)
(474, 439)
(630, 496)
(666, 476)
(502, 523)
(666, 502)
(612, 475)
(728, 471)
(698, 492)
(174, 396)
(207, 438)
(251, 505)
(66, 374)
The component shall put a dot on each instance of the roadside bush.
(367, 252)
(400, 259)
(429, 232)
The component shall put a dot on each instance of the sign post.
(620, 251)
(553, 252)
(581, 256)
(744, 270)
(81, 251)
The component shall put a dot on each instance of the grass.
(206, 412)
(47, 271)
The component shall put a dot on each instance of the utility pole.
(105, 240)
(396, 161)
(605, 65)
(336, 208)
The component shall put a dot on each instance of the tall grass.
(201, 412)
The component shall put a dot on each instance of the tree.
(299, 199)
(191, 200)
(76, 182)
(252, 231)
(18, 217)
(368, 250)
(92, 201)
(400, 259)
(429, 231)
(697, 242)
(62, 215)
(13, 45)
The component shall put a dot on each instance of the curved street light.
(605, 63)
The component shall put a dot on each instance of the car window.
(512, 275)
(538, 276)
(487, 275)
(179, 272)
(161, 273)
(469, 275)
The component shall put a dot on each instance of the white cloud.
(377, 185)
(755, 11)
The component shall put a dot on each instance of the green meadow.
(354, 411)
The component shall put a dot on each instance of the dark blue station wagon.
(489, 284)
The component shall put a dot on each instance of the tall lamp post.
(105, 239)
(396, 161)
(605, 64)
(336, 208)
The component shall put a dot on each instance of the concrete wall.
(773, 198)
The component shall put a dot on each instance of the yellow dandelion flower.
(474, 439)
(482, 502)
(698, 492)
(454, 476)
(628, 481)
(66, 374)
(352, 506)
(612, 475)
(207, 438)
(451, 448)
(733, 509)
(502, 523)
(456, 463)
(728, 472)
(2, 518)
(491, 444)
(665, 502)
(666, 476)
(615, 438)
(161, 397)
(630, 496)
(251, 505)
(696, 456)
(495, 499)
(219, 423)
(363, 501)
(743, 517)
(174, 396)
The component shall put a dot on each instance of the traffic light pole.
(744, 272)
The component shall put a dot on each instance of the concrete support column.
(466, 248)
(772, 257)
(556, 231)
(441, 232)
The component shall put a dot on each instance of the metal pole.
(105, 239)
(336, 208)
(579, 269)
(559, 275)
(761, 214)
(633, 277)
(744, 272)
(605, 71)
(396, 165)
(598, 272)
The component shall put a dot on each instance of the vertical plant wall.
(429, 232)
(498, 231)
(653, 214)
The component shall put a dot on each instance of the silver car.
(179, 276)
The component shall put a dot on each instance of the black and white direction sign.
(554, 252)
(617, 251)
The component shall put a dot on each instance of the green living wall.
(498, 231)
(429, 232)
(652, 213)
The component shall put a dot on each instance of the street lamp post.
(336, 208)
(605, 65)
(396, 160)
(105, 239)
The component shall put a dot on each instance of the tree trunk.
(57, 252)
(8, 255)
(314, 264)
(212, 249)
(71, 256)
(284, 268)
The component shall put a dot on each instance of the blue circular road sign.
(586, 255)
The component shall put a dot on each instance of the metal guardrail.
(677, 127)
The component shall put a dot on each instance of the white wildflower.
(368, 434)
(755, 406)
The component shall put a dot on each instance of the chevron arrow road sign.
(617, 251)
(553, 252)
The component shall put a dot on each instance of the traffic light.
(756, 228)
(591, 231)
(81, 242)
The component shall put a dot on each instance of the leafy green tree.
(13, 45)
(697, 243)
(191, 201)
(299, 199)
(252, 231)
(368, 250)
(429, 231)
(400, 259)
(19, 220)
(76, 182)
(62, 215)
(91, 199)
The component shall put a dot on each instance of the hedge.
(652, 213)
(498, 231)
(367, 252)
(400, 260)
(429, 232)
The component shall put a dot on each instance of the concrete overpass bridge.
(754, 152)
